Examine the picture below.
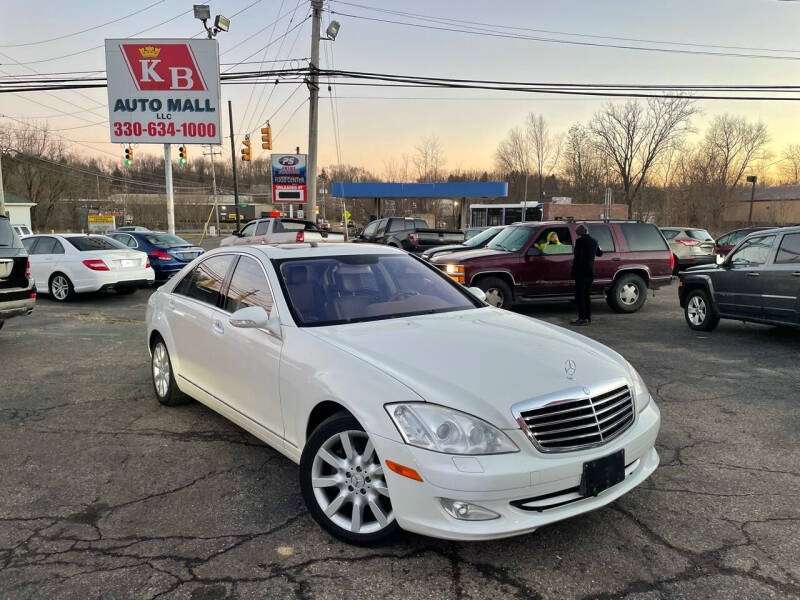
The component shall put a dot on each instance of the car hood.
(479, 361)
(442, 249)
(462, 256)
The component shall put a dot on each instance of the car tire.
(163, 376)
(498, 292)
(60, 288)
(349, 500)
(126, 291)
(699, 312)
(628, 294)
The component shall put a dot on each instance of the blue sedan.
(168, 253)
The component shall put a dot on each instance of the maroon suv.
(531, 262)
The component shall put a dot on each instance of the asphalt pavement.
(107, 494)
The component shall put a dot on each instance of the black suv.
(17, 290)
(759, 281)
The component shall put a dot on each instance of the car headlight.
(455, 271)
(641, 395)
(441, 429)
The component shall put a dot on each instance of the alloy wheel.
(161, 369)
(349, 484)
(629, 294)
(696, 310)
(494, 297)
(59, 287)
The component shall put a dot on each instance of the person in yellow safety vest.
(550, 240)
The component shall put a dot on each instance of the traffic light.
(266, 137)
(182, 155)
(128, 156)
(246, 150)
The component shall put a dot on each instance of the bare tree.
(429, 160)
(545, 146)
(790, 167)
(586, 168)
(732, 145)
(397, 171)
(634, 136)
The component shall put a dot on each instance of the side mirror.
(534, 251)
(720, 259)
(478, 293)
(250, 317)
(236, 233)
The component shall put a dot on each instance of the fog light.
(464, 511)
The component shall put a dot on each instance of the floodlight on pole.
(221, 23)
(333, 30)
(202, 12)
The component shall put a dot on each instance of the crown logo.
(149, 52)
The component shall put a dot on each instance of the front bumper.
(544, 483)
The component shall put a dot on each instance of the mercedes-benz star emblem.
(569, 369)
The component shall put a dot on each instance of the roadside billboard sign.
(288, 178)
(100, 223)
(163, 91)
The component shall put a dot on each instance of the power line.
(496, 34)
(550, 31)
(74, 33)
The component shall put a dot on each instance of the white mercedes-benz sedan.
(65, 264)
(406, 400)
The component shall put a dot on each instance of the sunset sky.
(377, 124)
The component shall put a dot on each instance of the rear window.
(8, 239)
(165, 240)
(699, 234)
(95, 242)
(670, 234)
(643, 237)
(297, 225)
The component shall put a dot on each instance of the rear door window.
(643, 237)
(420, 224)
(789, 250)
(204, 283)
(47, 245)
(399, 225)
(603, 236)
(670, 234)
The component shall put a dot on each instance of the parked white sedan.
(406, 400)
(70, 263)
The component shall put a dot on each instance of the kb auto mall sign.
(163, 91)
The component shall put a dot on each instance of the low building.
(772, 205)
(18, 209)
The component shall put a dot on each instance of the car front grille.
(574, 423)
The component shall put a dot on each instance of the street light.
(332, 31)
(202, 12)
(751, 179)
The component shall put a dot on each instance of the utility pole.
(170, 196)
(2, 191)
(313, 114)
(233, 162)
(212, 153)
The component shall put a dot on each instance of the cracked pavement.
(107, 494)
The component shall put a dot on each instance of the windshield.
(95, 242)
(481, 238)
(7, 236)
(165, 240)
(512, 239)
(699, 234)
(348, 289)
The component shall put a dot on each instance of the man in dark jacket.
(586, 249)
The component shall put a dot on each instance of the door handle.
(751, 274)
(616, 259)
(171, 304)
(796, 274)
(218, 327)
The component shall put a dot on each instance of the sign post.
(164, 91)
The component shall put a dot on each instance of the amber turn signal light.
(404, 471)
